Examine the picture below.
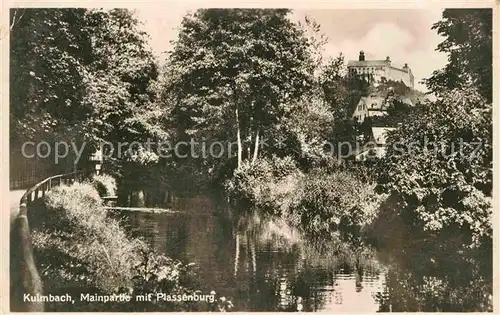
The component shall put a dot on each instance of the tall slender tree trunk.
(140, 198)
(254, 255)
(256, 148)
(237, 254)
(249, 132)
(238, 137)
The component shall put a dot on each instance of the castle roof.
(375, 63)
(367, 63)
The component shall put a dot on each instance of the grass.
(80, 245)
(79, 249)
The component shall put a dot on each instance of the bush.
(322, 202)
(104, 184)
(441, 167)
(332, 203)
(268, 184)
(81, 244)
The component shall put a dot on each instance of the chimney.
(361, 56)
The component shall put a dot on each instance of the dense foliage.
(82, 76)
(269, 184)
(335, 203)
(469, 45)
(69, 71)
(233, 75)
(49, 51)
(77, 242)
(440, 163)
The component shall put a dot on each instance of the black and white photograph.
(166, 157)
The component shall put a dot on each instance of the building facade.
(379, 70)
(370, 106)
(377, 144)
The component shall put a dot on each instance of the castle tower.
(361, 56)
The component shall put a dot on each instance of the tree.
(304, 132)
(440, 164)
(75, 67)
(440, 160)
(468, 43)
(334, 85)
(342, 94)
(122, 92)
(234, 72)
(120, 80)
(49, 51)
(85, 76)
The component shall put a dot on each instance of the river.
(266, 265)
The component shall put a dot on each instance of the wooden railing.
(24, 277)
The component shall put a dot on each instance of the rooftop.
(373, 102)
(362, 62)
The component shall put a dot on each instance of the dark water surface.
(265, 265)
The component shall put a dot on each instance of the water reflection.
(262, 264)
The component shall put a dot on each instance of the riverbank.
(147, 210)
(322, 202)
(337, 205)
(79, 249)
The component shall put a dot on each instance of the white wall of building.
(399, 75)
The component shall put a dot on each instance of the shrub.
(81, 244)
(104, 184)
(336, 202)
(268, 184)
(442, 166)
(322, 202)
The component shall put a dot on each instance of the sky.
(404, 35)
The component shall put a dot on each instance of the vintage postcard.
(165, 157)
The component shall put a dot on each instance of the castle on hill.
(379, 70)
(376, 104)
